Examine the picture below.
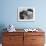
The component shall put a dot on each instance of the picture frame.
(26, 14)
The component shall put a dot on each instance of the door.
(13, 40)
(37, 40)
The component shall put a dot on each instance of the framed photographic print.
(26, 14)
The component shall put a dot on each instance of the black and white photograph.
(26, 14)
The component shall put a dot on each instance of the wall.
(8, 13)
